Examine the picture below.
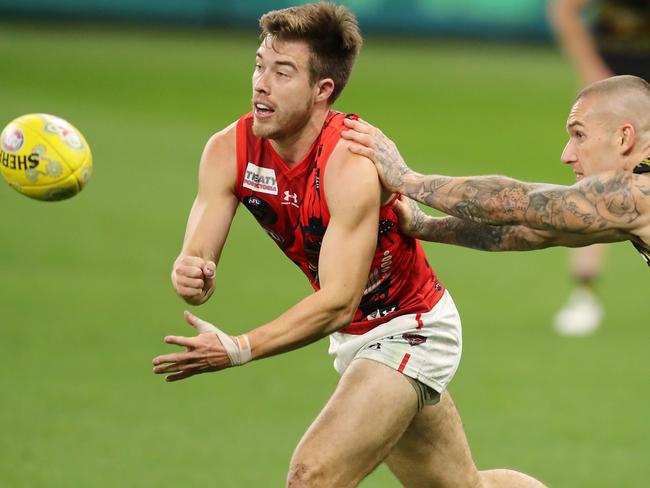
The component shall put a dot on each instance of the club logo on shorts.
(260, 179)
(414, 339)
(13, 139)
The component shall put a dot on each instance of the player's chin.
(262, 128)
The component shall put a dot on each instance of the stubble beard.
(284, 126)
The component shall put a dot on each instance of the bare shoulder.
(218, 167)
(223, 143)
(345, 163)
(620, 189)
(350, 174)
(610, 182)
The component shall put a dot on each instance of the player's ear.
(627, 138)
(324, 89)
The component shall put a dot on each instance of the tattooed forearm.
(484, 237)
(413, 222)
(597, 203)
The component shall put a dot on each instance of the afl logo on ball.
(12, 140)
(65, 132)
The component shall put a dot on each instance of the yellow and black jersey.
(643, 167)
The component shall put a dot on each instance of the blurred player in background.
(608, 150)
(394, 330)
(617, 43)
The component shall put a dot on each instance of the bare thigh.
(433, 452)
(367, 414)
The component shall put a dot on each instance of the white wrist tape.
(238, 350)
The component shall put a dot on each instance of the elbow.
(344, 315)
(341, 311)
(347, 315)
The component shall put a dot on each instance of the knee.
(306, 474)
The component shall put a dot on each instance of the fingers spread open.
(189, 342)
(360, 137)
(362, 150)
(192, 364)
(358, 125)
(182, 375)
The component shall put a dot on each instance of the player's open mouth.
(263, 111)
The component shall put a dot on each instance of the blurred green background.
(85, 295)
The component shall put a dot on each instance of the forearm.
(311, 319)
(496, 200)
(484, 237)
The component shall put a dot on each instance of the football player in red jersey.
(608, 150)
(394, 330)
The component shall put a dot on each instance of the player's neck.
(294, 148)
(636, 157)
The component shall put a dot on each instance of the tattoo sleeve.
(486, 237)
(603, 202)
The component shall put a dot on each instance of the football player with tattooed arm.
(608, 150)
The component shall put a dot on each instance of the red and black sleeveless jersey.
(290, 204)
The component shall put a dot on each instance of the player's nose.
(569, 155)
(260, 84)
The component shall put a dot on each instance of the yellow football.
(44, 157)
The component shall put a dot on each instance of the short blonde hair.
(624, 98)
(617, 84)
(331, 32)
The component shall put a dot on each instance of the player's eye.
(580, 135)
(281, 74)
(258, 66)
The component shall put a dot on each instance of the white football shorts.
(425, 347)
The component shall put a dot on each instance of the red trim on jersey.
(298, 168)
(326, 146)
(418, 319)
(241, 152)
(405, 360)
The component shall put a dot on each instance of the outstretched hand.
(203, 353)
(370, 142)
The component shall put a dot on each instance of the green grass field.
(85, 295)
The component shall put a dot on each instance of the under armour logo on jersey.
(290, 198)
